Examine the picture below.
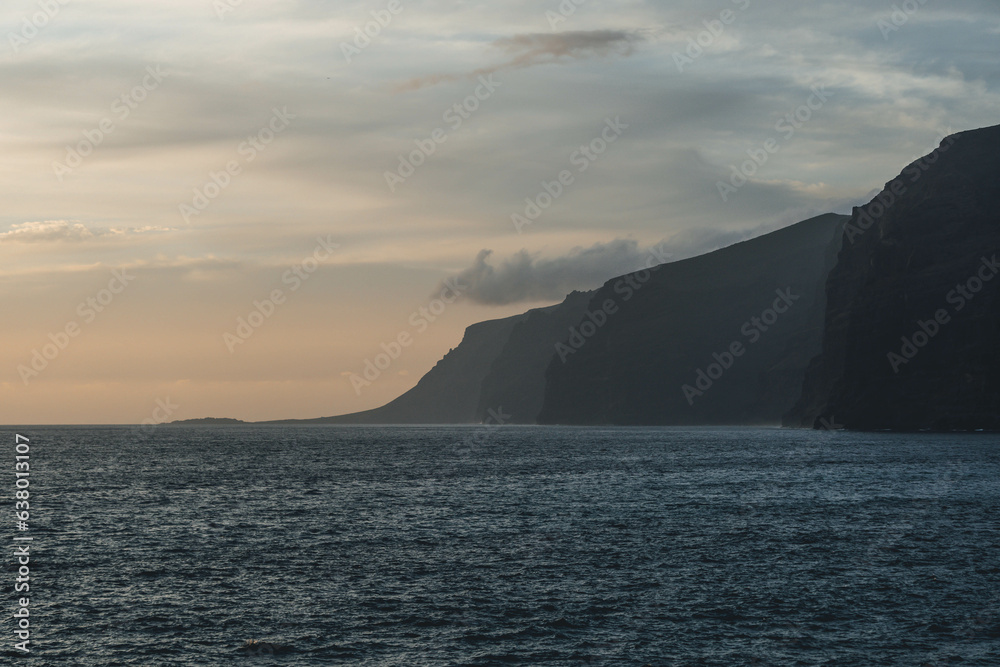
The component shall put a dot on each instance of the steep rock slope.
(913, 315)
(449, 392)
(497, 371)
(650, 360)
(516, 381)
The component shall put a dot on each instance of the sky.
(232, 208)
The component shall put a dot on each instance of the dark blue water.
(508, 546)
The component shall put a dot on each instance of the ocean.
(505, 546)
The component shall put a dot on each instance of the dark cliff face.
(515, 384)
(913, 304)
(496, 373)
(719, 339)
(449, 392)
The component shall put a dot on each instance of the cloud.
(48, 231)
(525, 277)
(542, 48)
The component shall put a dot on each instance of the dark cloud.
(526, 277)
(544, 48)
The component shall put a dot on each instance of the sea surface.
(506, 546)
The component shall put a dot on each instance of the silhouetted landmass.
(449, 392)
(661, 335)
(209, 421)
(887, 319)
(499, 366)
(908, 256)
(516, 381)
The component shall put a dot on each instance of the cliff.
(913, 307)
(499, 366)
(723, 338)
